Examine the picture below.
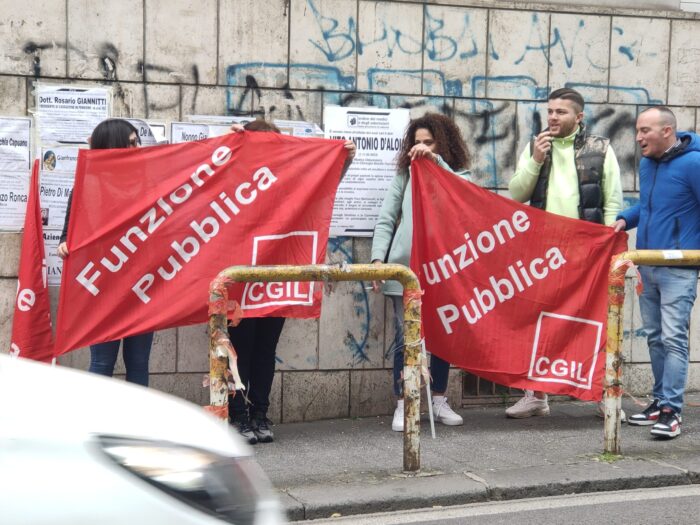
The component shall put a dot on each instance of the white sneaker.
(397, 422)
(600, 412)
(528, 406)
(444, 414)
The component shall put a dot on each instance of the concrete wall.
(488, 64)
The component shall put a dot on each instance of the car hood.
(39, 400)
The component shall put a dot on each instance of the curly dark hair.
(450, 144)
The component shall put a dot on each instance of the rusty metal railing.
(613, 354)
(220, 345)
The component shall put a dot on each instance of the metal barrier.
(220, 345)
(616, 299)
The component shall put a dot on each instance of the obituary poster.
(189, 131)
(54, 264)
(14, 190)
(15, 154)
(150, 133)
(59, 159)
(54, 190)
(378, 135)
(298, 128)
(214, 125)
(68, 114)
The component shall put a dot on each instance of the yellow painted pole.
(613, 356)
(222, 354)
(613, 350)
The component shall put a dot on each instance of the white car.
(77, 448)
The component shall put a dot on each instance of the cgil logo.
(265, 252)
(576, 366)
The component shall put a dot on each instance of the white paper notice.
(69, 114)
(298, 128)
(14, 144)
(378, 135)
(188, 131)
(150, 133)
(54, 264)
(14, 188)
(59, 159)
(54, 190)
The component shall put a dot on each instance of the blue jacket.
(668, 213)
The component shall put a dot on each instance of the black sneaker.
(668, 425)
(261, 427)
(245, 430)
(648, 416)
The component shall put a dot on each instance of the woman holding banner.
(255, 341)
(110, 134)
(437, 138)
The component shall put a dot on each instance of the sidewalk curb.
(399, 492)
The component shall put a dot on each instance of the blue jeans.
(136, 351)
(439, 368)
(665, 305)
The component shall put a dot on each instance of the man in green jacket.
(567, 172)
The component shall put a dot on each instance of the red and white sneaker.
(668, 425)
(648, 416)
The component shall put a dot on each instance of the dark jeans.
(439, 368)
(135, 352)
(255, 341)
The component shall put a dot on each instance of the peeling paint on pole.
(221, 353)
(616, 299)
(613, 356)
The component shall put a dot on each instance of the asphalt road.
(676, 505)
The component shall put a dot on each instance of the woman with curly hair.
(437, 138)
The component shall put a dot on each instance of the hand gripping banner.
(513, 294)
(31, 323)
(151, 227)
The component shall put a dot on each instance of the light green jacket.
(562, 192)
(398, 207)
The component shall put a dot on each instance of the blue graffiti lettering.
(336, 45)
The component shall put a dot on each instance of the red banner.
(513, 294)
(151, 227)
(31, 324)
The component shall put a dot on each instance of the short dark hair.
(261, 125)
(568, 94)
(667, 117)
(113, 133)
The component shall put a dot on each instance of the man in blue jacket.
(667, 217)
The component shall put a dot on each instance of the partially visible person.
(566, 171)
(437, 138)
(667, 217)
(136, 349)
(255, 341)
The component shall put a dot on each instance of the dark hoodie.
(668, 213)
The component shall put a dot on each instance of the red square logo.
(565, 350)
(296, 248)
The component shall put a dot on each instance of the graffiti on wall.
(449, 40)
(491, 126)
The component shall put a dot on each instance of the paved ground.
(354, 466)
